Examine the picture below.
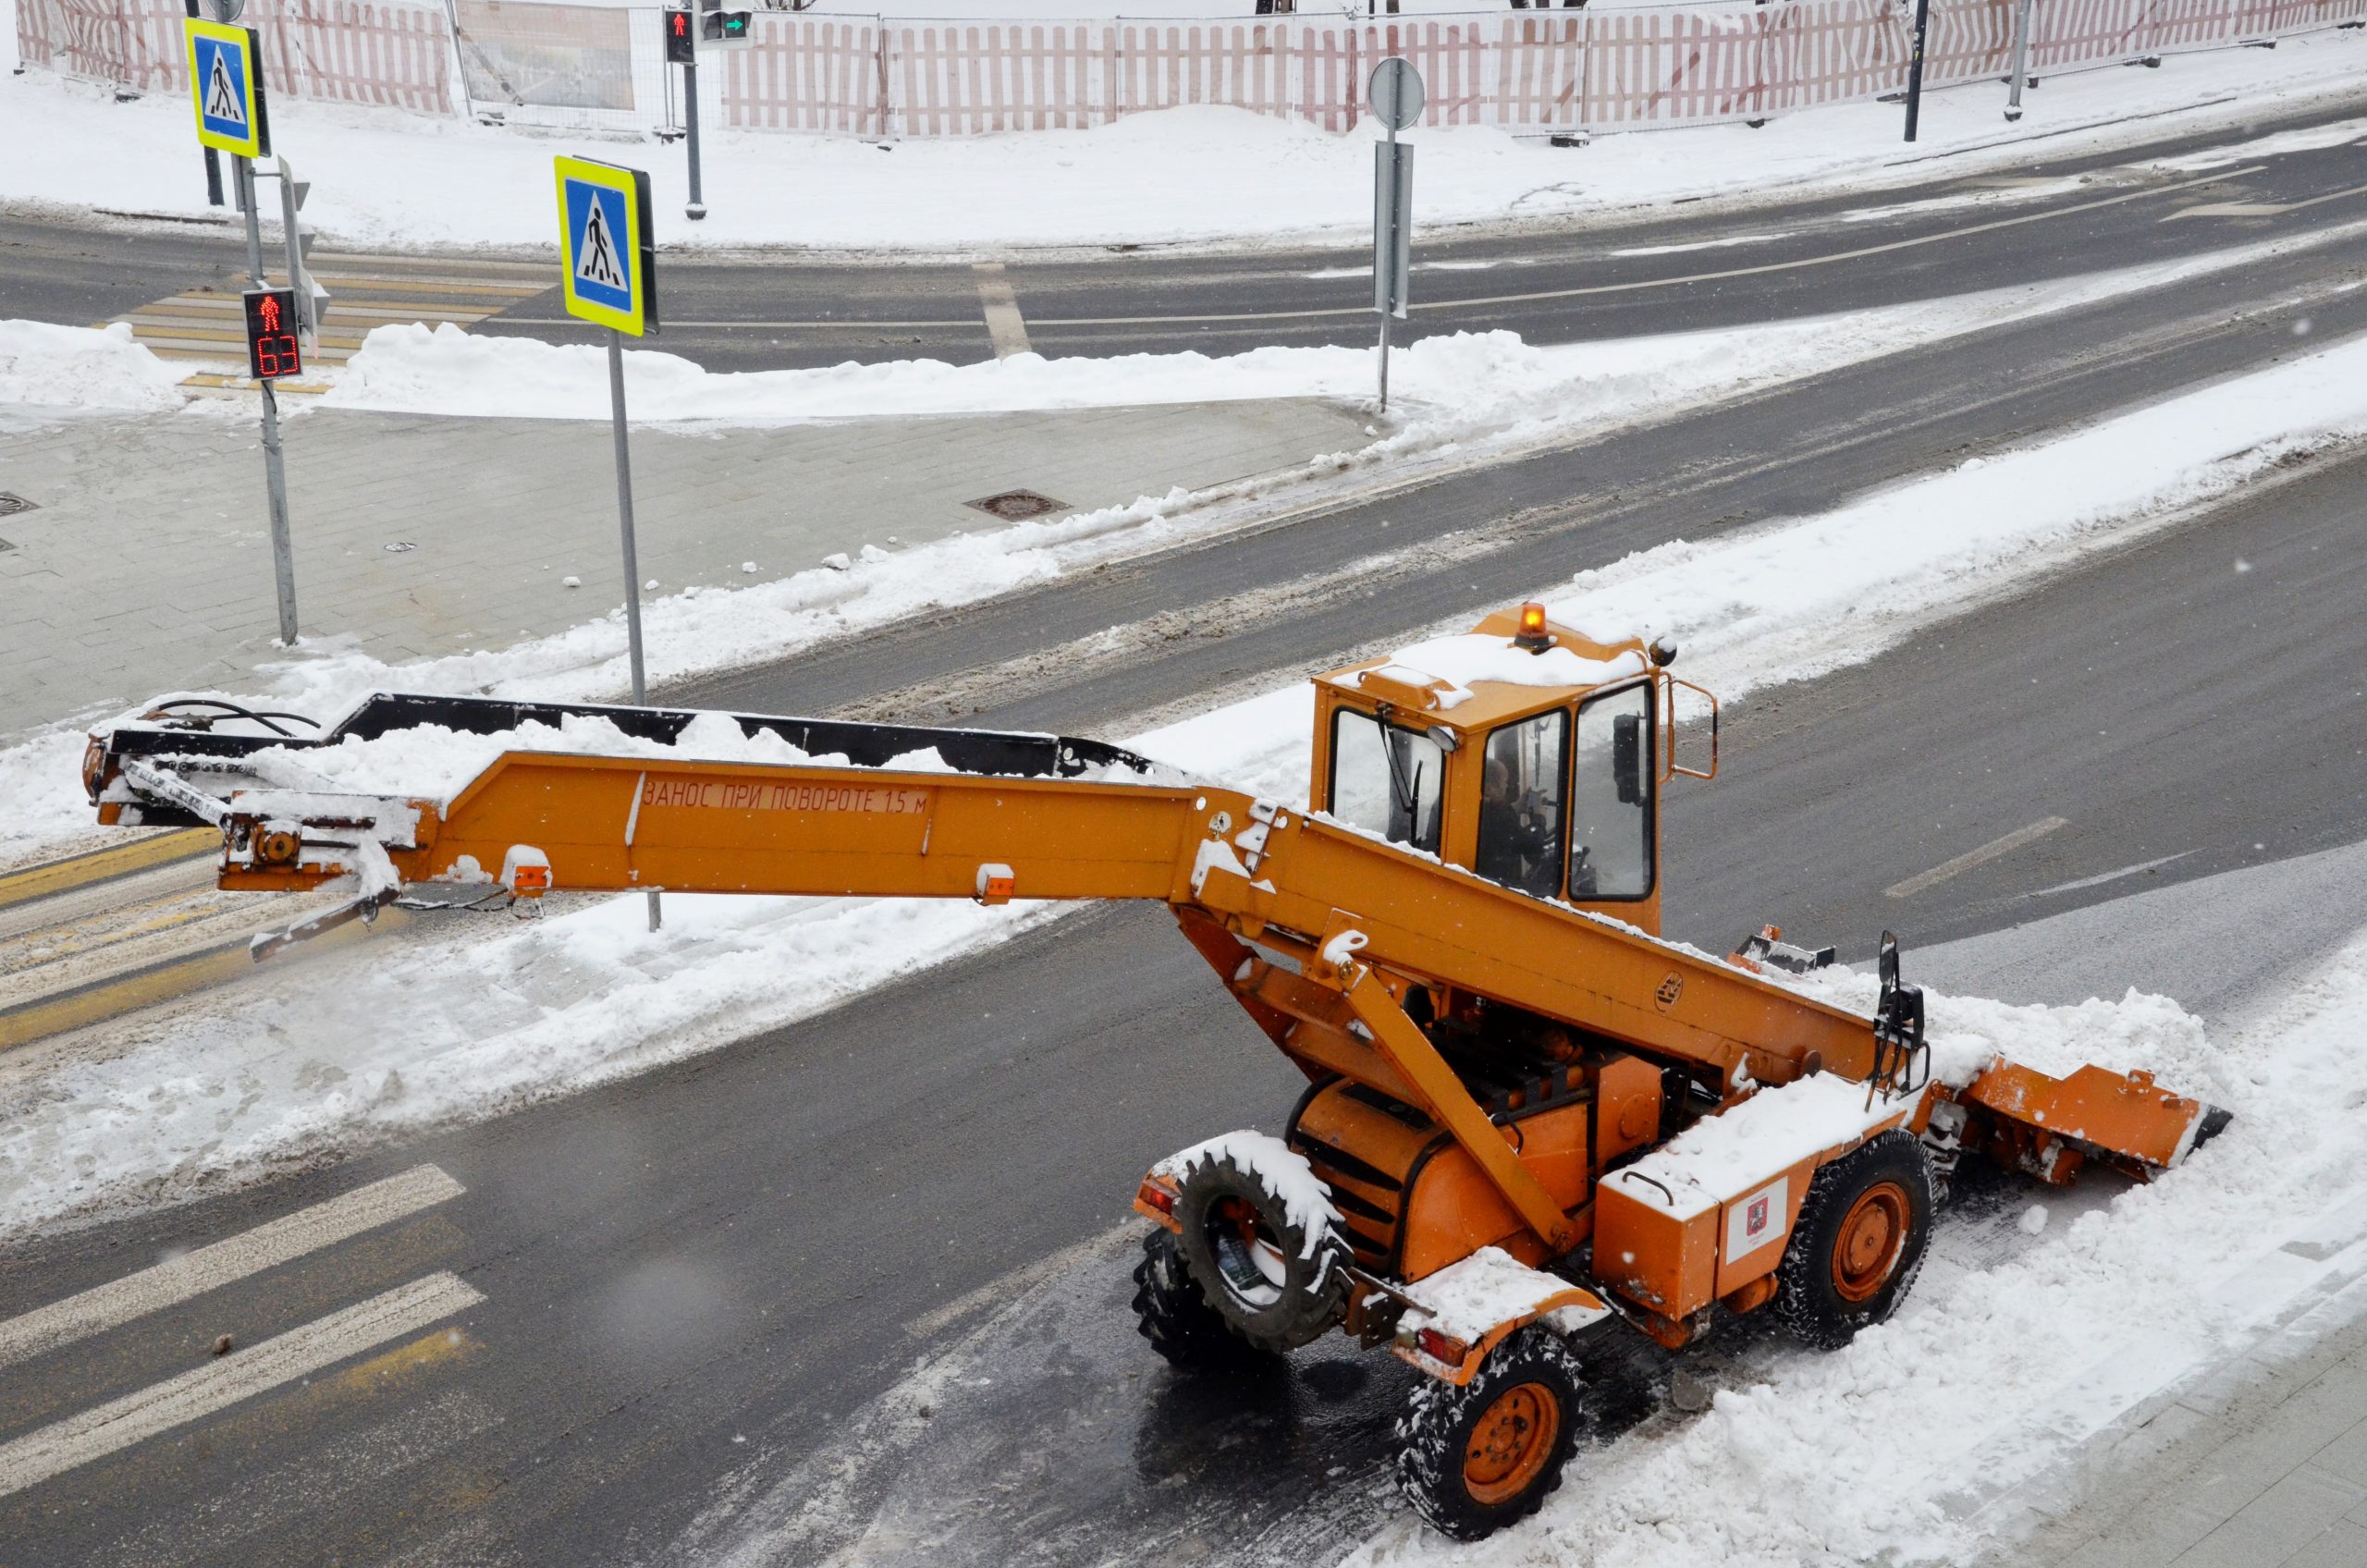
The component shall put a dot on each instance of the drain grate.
(11, 505)
(1018, 506)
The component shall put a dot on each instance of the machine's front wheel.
(1474, 1459)
(1859, 1241)
(1173, 1314)
(1281, 1283)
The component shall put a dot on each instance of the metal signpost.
(610, 279)
(2021, 59)
(1915, 66)
(1395, 96)
(233, 117)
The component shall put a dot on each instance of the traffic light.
(273, 350)
(312, 299)
(720, 29)
(681, 42)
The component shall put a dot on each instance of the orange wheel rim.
(1510, 1442)
(1873, 1236)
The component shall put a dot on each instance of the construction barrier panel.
(1607, 69)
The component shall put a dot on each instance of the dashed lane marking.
(134, 1418)
(1971, 858)
(101, 1307)
(1006, 328)
(2259, 209)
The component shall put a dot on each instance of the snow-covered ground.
(498, 1014)
(1198, 175)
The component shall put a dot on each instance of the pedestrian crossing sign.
(227, 87)
(609, 277)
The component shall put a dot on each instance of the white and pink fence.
(1610, 70)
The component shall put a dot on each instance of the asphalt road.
(753, 1245)
(1684, 267)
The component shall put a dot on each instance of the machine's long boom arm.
(1039, 817)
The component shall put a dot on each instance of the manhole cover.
(1017, 506)
(11, 505)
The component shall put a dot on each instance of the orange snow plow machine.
(1527, 1116)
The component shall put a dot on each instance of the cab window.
(1611, 796)
(1522, 806)
(1386, 779)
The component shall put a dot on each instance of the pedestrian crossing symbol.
(226, 88)
(605, 233)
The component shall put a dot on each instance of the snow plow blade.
(2050, 1127)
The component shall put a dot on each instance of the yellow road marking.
(101, 865)
(160, 982)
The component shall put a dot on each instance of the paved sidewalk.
(147, 563)
(2264, 1465)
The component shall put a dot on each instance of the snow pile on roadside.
(44, 366)
(1890, 1449)
(1485, 392)
(1792, 599)
(1188, 174)
(491, 1019)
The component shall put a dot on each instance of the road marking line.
(1971, 858)
(209, 1268)
(2141, 866)
(221, 1383)
(2259, 209)
(1005, 327)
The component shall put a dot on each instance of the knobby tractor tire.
(1860, 1241)
(1173, 1314)
(1474, 1459)
(1276, 1286)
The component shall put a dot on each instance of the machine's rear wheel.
(1173, 1314)
(1474, 1459)
(1277, 1285)
(1859, 1241)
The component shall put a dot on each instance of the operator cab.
(1522, 751)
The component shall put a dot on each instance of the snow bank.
(1197, 174)
(44, 366)
(495, 1019)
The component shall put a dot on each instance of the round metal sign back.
(1395, 93)
(228, 11)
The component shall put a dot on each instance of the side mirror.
(1627, 757)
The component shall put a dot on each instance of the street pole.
(624, 523)
(2021, 59)
(1915, 66)
(283, 553)
(213, 159)
(283, 550)
(1393, 92)
(698, 209)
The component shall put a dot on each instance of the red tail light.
(1155, 1196)
(1441, 1347)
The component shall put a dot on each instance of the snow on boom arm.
(1506, 1062)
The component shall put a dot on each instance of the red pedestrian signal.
(273, 352)
(681, 42)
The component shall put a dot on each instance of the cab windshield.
(1386, 779)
